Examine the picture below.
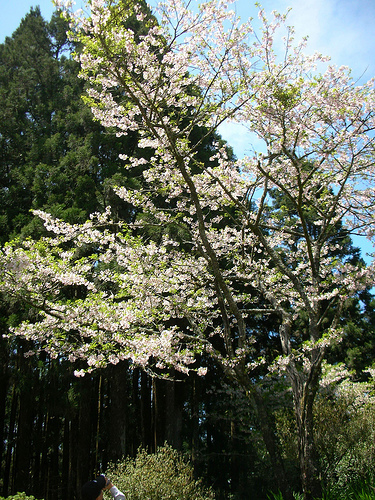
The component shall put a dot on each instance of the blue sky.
(12, 11)
(343, 29)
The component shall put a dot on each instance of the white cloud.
(341, 29)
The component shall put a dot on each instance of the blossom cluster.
(259, 233)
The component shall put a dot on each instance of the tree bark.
(146, 412)
(174, 392)
(84, 432)
(11, 436)
(66, 476)
(194, 402)
(304, 391)
(269, 439)
(118, 414)
(25, 424)
(4, 388)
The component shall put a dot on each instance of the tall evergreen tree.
(54, 156)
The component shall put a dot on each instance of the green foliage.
(19, 496)
(360, 491)
(344, 420)
(53, 155)
(159, 476)
(344, 423)
(275, 496)
(279, 496)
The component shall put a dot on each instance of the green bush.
(164, 475)
(359, 491)
(345, 434)
(279, 496)
(19, 496)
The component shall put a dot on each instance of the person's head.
(93, 490)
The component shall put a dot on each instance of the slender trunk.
(174, 391)
(195, 397)
(117, 443)
(270, 442)
(310, 480)
(74, 434)
(85, 467)
(146, 412)
(54, 490)
(66, 478)
(158, 392)
(11, 436)
(44, 454)
(39, 446)
(4, 388)
(98, 422)
(25, 424)
(304, 383)
(304, 394)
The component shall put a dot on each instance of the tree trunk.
(11, 437)
(194, 402)
(66, 476)
(174, 393)
(118, 415)
(270, 442)
(25, 424)
(304, 394)
(87, 418)
(310, 480)
(4, 388)
(158, 413)
(146, 412)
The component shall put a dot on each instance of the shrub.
(345, 433)
(164, 475)
(19, 496)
